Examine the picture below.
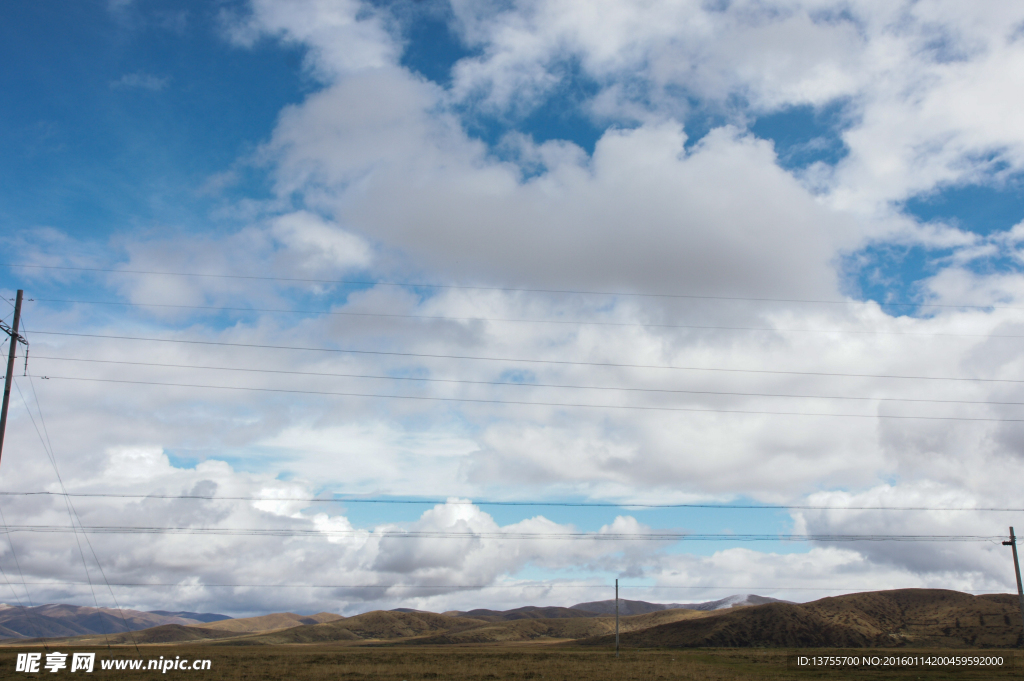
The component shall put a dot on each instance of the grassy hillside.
(74, 620)
(918, 617)
(926, 617)
(379, 625)
(280, 620)
(529, 612)
(555, 629)
(772, 625)
(165, 633)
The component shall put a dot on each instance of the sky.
(440, 304)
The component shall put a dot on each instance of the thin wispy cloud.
(140, 81)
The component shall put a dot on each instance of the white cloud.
(114, 438)
(642, 212)
(375, 171)
(140, 81)
(927, 85)
(317, 246)
(343, 35)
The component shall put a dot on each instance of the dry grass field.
(534, 662)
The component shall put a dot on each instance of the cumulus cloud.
(642, 212)
(924, 84)
(114, 438)
(342, 36)
(317, 246)
(245, 559)
(534, 391)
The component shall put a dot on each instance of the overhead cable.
(542, 536)
(522, 360)
(72, 512)
(486, 502)
(580, 405)
(545, 586)
(519, 384)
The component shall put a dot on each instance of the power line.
(530, 321)
(463, 586)
(545, 536)
(507, 289)
(72, 512)
(47, 448)
(455, 586)
(580, 405)
(572, 504)
(524, 360)
(21, 574)
(520, 384)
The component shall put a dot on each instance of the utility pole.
(15, 339)
(616, 616)
(1016, 570)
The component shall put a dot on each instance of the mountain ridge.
(627, 607)
(896, 618)
(927, 618)
(61, 619)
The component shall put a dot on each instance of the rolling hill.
(280, 620)
(75, 620)
(423, 628)
(529, 612)
(555, 629)
(641, 607)
(918, 617)
(197, 616)
(379, 625)
(905, 617)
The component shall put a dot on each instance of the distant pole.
(10, 366)
(1016, 570)
(616, 616)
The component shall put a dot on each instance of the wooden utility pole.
(616, 616)
(1016, 570)
(11, 353)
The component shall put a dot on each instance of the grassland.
(533, 662)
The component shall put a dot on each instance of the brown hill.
(75, 620)
(554, 629)
(165, 633)
(559, 629)
(172, 633)
(279, 620)
(626, 607)
(607, 607)
(926, 617)
(653, 619)
(379, 625)
(907, 617)
(919, 617)
(529, 612)
(775, 624)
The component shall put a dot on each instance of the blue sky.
(145, 108)
(101, 135)
(291, 162)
